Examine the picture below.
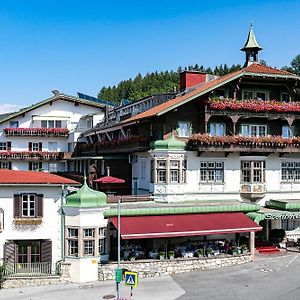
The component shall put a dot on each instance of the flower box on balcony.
(254, 105)
(28, 221)
(30, 155)
(61, 132)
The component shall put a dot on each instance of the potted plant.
(209, 251)
(161, 255)
(199, 253)
(171, 254)
(244, 248)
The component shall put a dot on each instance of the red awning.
(143, 227)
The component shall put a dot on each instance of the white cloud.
(6, 108)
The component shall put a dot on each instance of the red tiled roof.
(168, 104)
(261, 69)
(32, 177)
(254, 68)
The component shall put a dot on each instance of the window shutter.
(39, 205)
(17, 205)
(30, 146)
(9, 165)
(9, 251)
(30, 166)
(46, 251)
(40, 146)
(8, 146)
(40, 165)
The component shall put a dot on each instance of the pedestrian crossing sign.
(131, 279)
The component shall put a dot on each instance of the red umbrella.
(109, 179)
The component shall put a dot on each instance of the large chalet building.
(219, 144)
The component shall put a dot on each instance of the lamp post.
(119, 250)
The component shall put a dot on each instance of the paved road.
(268, 277)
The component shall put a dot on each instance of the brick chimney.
(188, 79)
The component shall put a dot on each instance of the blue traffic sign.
(131, 279)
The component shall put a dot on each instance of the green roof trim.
(256, 216)
(181, 210)
(170, 143)
(251, 42)
(284, 205)
(86, 197)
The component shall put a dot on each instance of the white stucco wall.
(193, 189)
(51, 221)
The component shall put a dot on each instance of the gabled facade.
(42, 136)
(31, 226)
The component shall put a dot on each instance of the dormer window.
(13, 124)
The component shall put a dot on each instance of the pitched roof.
(253, 69)
(49, 100)
(32, 177)
(251, 41)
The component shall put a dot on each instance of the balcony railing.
(40, 269)
(236, 143)
(53, 132)
(44, 155)
(127, 144)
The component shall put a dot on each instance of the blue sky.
(84, 45)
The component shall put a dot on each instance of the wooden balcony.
(30, 155)
(123, 145)
(236, 143)
(49, 132)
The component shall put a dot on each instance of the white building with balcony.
(43, 135)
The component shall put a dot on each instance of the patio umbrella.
(109, 180)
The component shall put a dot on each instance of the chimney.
(56, 92)
(188, 79)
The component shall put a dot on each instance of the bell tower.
(251, 48)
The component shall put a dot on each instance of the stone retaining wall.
(155, 268)
(64, 277)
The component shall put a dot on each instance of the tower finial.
(251, 47)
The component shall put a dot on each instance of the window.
(53, 167)
(253, 171)
(52, 146)
(90, 232)
(89, 123)
(217, 129)
(5, 165)
(287, 131)
(35, 146)
(89, 247)
(253, 94)
(51, 124)
(161, 171)
(285, 97)
(248, 95)
(101, 242)
(211, 171)
(290, 224)
(5, 146)
(168, 170)
(174, 171)
(28, 205)
(290, 171)
(28, 252)
(72, 241)
(261, 95)
(254, 130)
(13, 124)
(184, 129)
(35, 166)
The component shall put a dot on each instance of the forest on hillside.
(168, 81)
